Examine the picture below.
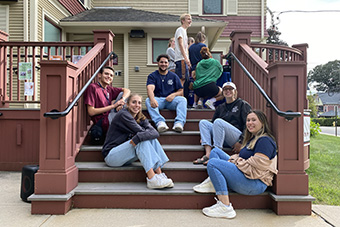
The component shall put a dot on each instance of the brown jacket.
(256, 167)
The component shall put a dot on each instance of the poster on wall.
(29, 88)
(25, 70)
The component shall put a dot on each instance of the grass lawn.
(324, 170)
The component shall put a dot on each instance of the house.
(50, 127)
(329, 103)
(67, 20)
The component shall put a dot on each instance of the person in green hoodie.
(208, 70)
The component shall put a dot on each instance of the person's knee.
(203, 123)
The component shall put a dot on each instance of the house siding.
(137, 57)
(250, 7)
(16, 21)
(175, 7)
(118, 48)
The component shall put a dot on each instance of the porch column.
(288, 93)
(3, 70)
(104, 36)
(237, 38)
(57, 173)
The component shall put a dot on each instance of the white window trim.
(149, 46)
(55, 20)
(7, 17)
(224, 9)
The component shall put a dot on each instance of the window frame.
(222, 8)
(6, 17)
(152, 53)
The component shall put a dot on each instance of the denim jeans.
(220, 133)
(179, 103)
(150, 153)
(225, 175)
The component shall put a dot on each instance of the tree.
(327, 77)
(312, 106)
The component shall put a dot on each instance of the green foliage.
(314, 129)
(324, 169)
(326, 76)
(312, 106)
(323, 121)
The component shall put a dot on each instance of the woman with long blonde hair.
(130, 138)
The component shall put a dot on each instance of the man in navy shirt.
(165, 91)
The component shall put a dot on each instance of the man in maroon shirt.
(101, 99)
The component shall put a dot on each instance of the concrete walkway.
(15, 212)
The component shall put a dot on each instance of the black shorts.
(207, 91)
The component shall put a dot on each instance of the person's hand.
(170, 97)
(118, 108)
(131, 142)
(187, 61)
(237, 147)
(153, 103)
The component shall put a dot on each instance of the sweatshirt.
(207, 71)
(234, 113)
(123, 128)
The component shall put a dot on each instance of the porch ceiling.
(123, 19)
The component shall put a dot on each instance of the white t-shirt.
(181, 32)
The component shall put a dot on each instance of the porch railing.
(15, 53)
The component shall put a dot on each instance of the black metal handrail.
(289, 115)
(55, 114)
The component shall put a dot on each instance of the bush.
(314, 129)
(322, 121)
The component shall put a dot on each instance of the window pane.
(51, 34)
(212, 6)
(159, 46)
(217, 56)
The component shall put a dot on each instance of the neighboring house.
(141, 28)
(328, 104)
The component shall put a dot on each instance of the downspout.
(25, 21)
(33, 20)
(262, 20)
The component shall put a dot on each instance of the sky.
(321, 31)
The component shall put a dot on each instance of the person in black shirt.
(131, 137)
(227, 125)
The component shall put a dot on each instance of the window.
(217, 56)
(4, 18)
(52, 33)
(159, 46)
(212, 6)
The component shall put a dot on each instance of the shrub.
(314, 129)
(323, 121)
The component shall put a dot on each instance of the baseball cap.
(231, 84)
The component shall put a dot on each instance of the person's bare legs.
(224, 199)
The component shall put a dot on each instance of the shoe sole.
(231, 217)
(169, 185)
(203, 190)
(178, 129)
(162, 129)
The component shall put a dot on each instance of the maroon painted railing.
(276, 53)
(284, 80)
(13, 53)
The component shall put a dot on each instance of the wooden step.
(135, 195)
(190, 125)
(177, 153)
(191, 114)
(183, 138)
(100, 172)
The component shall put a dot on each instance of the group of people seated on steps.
(127, 135)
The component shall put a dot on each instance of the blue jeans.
(150, 153)
(179, 103)
(225, 175)
(220, 133)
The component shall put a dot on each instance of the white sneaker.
(166, 177)
(210, 104)
(205, 187)
(158, 181)
(199, 104)
(219, 210)
(178, 127)
(162, 127)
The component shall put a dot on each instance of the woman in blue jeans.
(131, 137)
(250, 172)
(227, 125)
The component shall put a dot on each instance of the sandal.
(205, 163)
(201, 160)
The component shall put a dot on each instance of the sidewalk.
(15, 212)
